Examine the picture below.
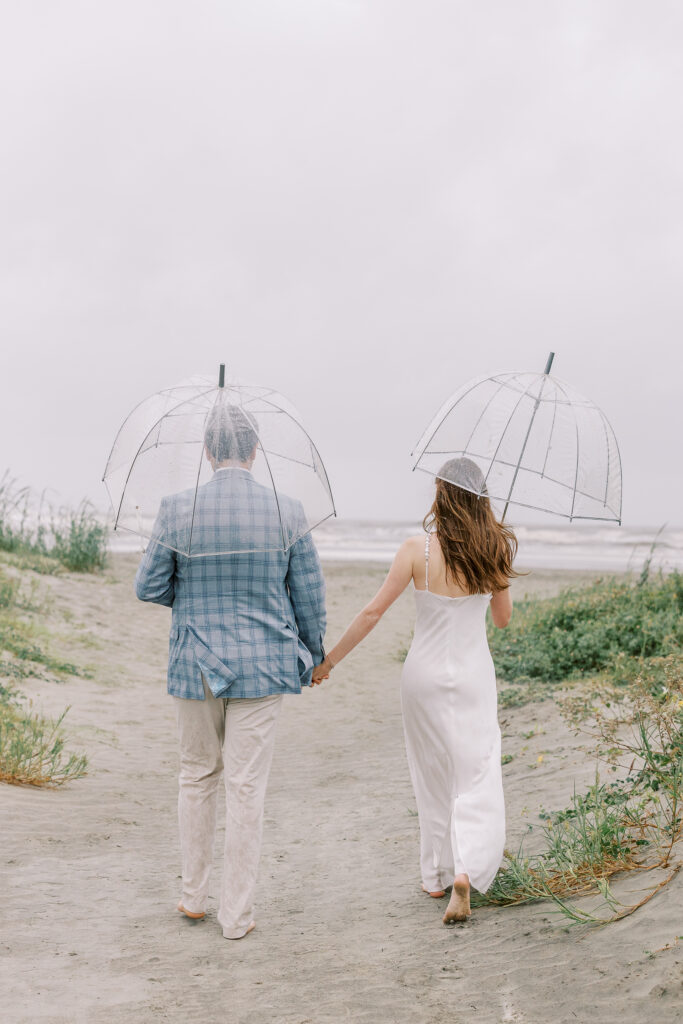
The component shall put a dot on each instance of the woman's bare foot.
(435, 895)
(458, 908)
(249, 929)
(190, 914)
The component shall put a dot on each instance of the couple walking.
(248, 628)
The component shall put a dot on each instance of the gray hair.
(230, 433)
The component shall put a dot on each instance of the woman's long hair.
(477, 549)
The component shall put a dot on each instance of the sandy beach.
(90, 875)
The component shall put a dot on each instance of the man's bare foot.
(458, 908)
(435, 895)
(190, 913)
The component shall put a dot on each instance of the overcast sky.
(362, 204)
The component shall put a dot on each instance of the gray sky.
(363, 204)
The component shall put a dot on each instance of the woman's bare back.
(438, 583)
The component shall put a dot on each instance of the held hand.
(321, 672)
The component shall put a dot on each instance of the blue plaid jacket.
(251, 623)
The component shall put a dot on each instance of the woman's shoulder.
(411, 552)
(414, 544)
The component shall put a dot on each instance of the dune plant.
(15, 530)
(43, 565)
(601, 628)
(31, 745)
(9, 589)
(79, 540)
(631, 824)
(32, 749)
(21, 651)
(44, 539)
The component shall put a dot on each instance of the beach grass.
(79, 540)
(42, 537)
(32, 746)
(624, 641)
(22, 641)
(32, 749)
(631, 824)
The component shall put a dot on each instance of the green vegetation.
(613, 627)
(621, 644)
(72, 538)
(32, 749)
(21, 652)
(628, 825)
(80, 541)
(40, 564)
(31, 746)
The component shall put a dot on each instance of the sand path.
(89, 932)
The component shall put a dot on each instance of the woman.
(448, 684)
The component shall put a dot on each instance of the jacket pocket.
(218, 675)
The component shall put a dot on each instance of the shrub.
(581, 632)
(32, 749)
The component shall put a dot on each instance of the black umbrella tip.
(549, 363)
(221, 376)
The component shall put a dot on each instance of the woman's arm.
(397, 580)
(501, 607)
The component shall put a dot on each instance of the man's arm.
(307, 594)
(155, 578)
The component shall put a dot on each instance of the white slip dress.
(449, 704)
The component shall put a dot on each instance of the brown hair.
(478, 550)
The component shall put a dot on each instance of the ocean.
(605, 548)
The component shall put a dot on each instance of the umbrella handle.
(528, 431)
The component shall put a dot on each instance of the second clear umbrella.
(536, 441)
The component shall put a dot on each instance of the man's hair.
(230, 433)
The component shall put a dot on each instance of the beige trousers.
(235, 738)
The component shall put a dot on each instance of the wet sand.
(90, 873)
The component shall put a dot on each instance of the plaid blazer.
(251, 623)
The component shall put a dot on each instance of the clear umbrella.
(161, 450)
(538, 443)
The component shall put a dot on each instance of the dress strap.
(429, 537)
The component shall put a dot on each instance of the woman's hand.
(320, 672)
(396, 582)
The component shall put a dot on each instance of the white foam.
(603, 548)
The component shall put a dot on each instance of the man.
(247, 627)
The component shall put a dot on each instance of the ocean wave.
(603, 548)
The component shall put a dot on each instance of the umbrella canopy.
(538, 443)
(161, 450)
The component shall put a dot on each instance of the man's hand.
(321, 672)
